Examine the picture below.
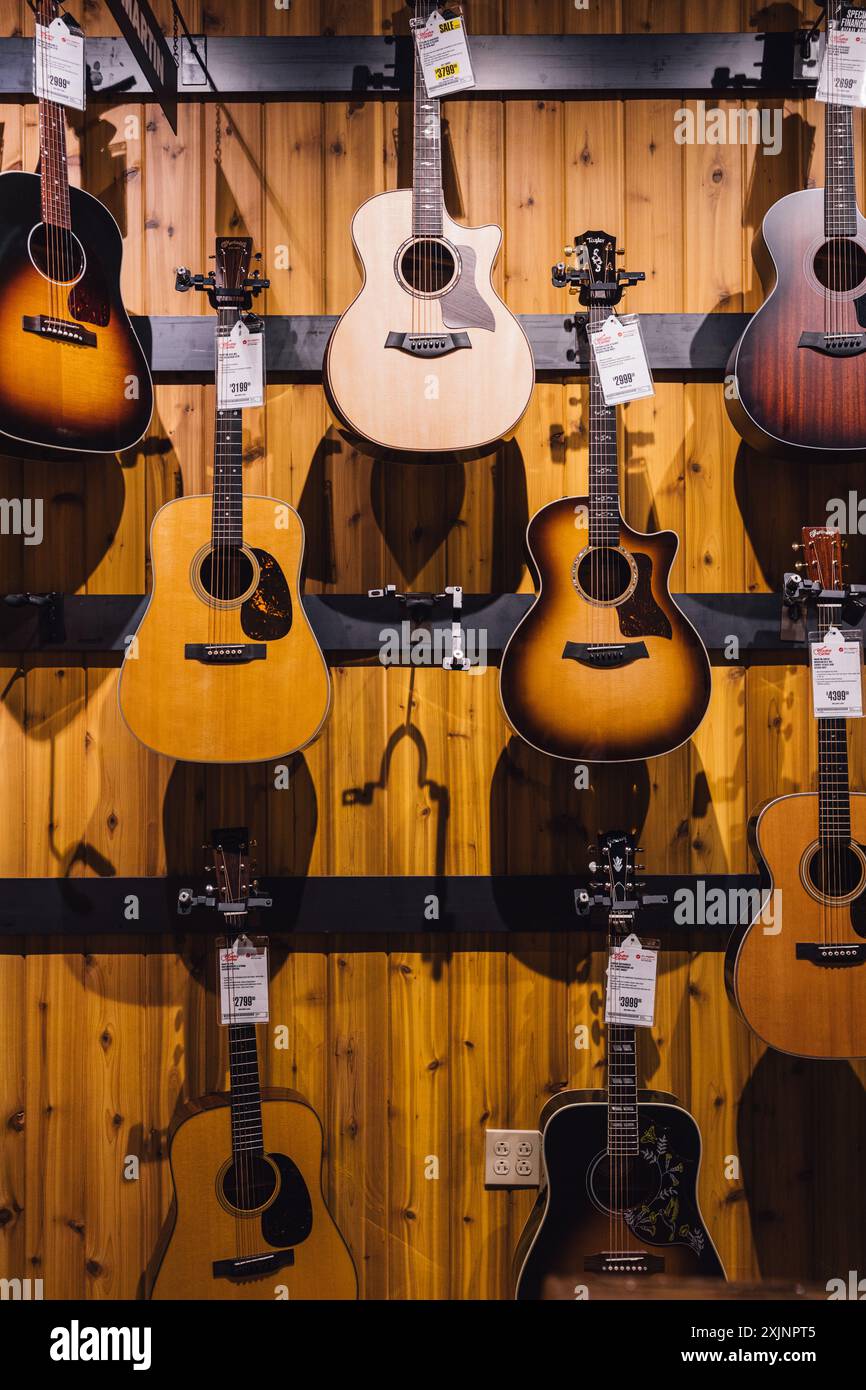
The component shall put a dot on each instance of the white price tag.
(240, 368)
(619, 353)
(58, 64)
(443, 52)
(630, 996)
(837, 677)
(842, 79)
(243, 983)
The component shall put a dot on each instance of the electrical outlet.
(512, 1158)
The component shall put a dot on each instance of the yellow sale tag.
(449, 24)
(447, 70)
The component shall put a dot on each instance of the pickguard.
(289, 1219)
(267, 614)
(89, 301)
(640, 615)
(660, 1221)
(463, 307)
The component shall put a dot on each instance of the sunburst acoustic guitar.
(604, 667)
(798, 975)
(799, 370)
(248, 1217)
(225, 666)
(74, 376)
(621, 1165)
(427, 359)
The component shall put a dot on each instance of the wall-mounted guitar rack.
(349, 626)
(343, 68)
(45, 907)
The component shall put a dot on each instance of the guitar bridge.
(225, 653)
(835, 344)
(604, 656)
(428, 344)
(58, 330)
(830, 954)
(253, 1266)
(638, 1262)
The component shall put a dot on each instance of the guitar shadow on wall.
(801, 1134)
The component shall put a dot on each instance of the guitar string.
(235, 1149)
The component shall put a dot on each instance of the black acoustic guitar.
(74, 376)
(622, 1164)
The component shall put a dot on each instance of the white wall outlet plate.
(512, 1158)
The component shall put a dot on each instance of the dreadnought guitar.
(74, 376)
(798, 973)
(604, 667)
(427, 359)
(799, 369)
(225, 666)
(622, 1164)
(248, 1218)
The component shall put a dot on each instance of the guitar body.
(805, 1007)
(287, 1219)
(462, 401)
(564, 695)
(571, 1223)
(257, 709)
(55, 392)
(792, 398)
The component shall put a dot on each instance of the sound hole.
(835, 873)
(622, 1182)
(427, 266)
(56, 253)
(604, 574)
(840, 264)
(226, 572)
(249, 1184)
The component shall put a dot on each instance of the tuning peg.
(568, 250)
(800, 565)
(592, 866)
(797, 545)
(620, 250)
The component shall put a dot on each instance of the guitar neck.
(622, 1113)
(603, 459)
(246, 1096)
(228, 485)
(840, 188)
(53, 165)
(427, 201)
(834, 793)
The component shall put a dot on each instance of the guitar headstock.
(595, 277)
(822, 556)
(232, 865)
(233, 256)
(617, 851)
(230, 285)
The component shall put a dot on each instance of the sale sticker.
(631, 984)
(240, 370)
(443, 52)
(243, 969)
(620, 356)
(837, 676)
(842, 79)
(58, 64)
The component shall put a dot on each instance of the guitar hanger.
(220, 296)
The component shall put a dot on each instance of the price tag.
(240, 368)
(837, 676)
(443, 52)
(243, 970)
(58, 64)
(630, 996)
(621, 360)
(842, 78)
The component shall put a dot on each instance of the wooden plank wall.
(408, 1048)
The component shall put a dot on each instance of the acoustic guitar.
(621, 1164)
(225, 666)
(604, 667)
(798, 974)
(799, 370)
(74, 375)
(248, 1218)
(427, 359)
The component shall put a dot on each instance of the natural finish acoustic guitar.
(622, 1165)
(427, 360)
(799, 370)
(74, 376)
(225, 666)
(798, 975)
(604, 667)
(248, 1218)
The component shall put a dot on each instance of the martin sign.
(139, 26)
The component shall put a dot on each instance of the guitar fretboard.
(427, 157)
(622, 1112)
(228, 488)
(834, 793)
(246, 1096)
(53, 165)
(840, 190)
(603, 458)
